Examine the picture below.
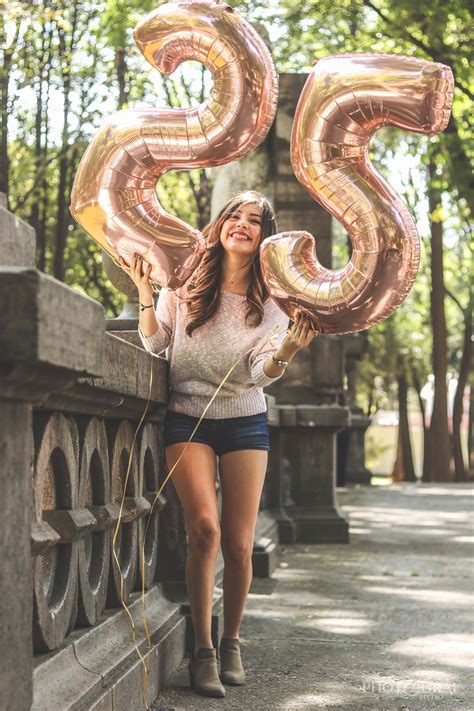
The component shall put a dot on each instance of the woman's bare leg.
(242, 475)
(194, 480)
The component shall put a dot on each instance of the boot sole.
(231, 683)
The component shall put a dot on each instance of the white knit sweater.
(198, 363)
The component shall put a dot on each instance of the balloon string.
(114, 552)
(157, 495)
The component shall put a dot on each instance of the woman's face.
(241, 231)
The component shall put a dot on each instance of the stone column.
(295, 208)
(356, 345)
(310, 419)
(268, 170)
(356, 471)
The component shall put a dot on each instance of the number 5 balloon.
(113, 195)
(344, 101)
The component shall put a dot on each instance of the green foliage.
(68, 54)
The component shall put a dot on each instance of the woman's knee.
(237, 553)
(204, 534)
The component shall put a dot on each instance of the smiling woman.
(242, 228)
(232, 263)
(220, 334)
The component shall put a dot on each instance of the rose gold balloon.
(114, 196)
(344, 101)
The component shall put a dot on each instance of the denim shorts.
(223, 435)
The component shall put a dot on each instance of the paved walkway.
(383, 623)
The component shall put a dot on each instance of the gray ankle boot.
(232, 671)
(203, 673)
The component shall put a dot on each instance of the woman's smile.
(240, 236)
(244, 226)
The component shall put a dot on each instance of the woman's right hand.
(139, 272)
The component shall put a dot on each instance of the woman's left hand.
(299, 336)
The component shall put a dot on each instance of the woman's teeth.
(240, 236)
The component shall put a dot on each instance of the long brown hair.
(203, 289)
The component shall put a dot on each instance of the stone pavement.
(383, 623)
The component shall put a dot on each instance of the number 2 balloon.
(346, 98)
(114, 192)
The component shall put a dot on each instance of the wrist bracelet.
(142, 307)
(279, 362)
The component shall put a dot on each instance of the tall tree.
(465, 367)
(439, 433)
(6, 102)
(67, 45)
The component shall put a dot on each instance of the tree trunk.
(470, 432)
(121, 69)
(404, 429)
(42, 226)
(398, 473)
(37, 218)
(426, 470)
(439, 433)
(35, 207)
(62, 217)
(460, 471)
(5, 108)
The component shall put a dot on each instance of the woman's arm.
(154, 329)
(299, 336)
(263, 370)
(160, 324)
(271, 369)
(147, 321)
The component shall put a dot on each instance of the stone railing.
(71, 397)
(72, 393)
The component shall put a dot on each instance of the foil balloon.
(346, 98)
(113, 196)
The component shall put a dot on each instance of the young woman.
(222, 313)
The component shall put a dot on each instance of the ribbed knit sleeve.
(166, 317)
(267, 349)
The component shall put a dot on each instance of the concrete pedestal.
(309, 444)
(356, 471)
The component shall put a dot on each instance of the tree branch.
(435, 54)
(455, 299)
